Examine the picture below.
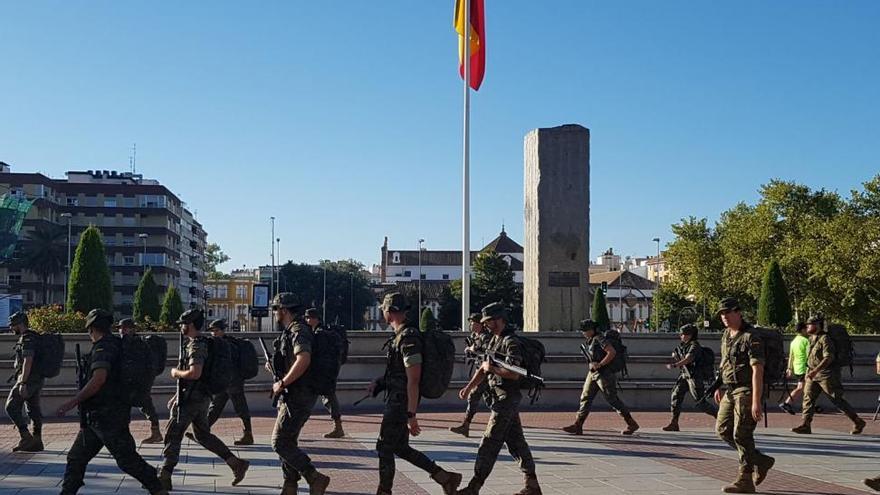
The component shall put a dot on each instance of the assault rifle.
(877, 411)
(180, 364)
(687, 371)
(710, 392)
(80, 384)
(497, 359)
(275, 375)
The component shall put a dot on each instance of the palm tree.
(43, 253)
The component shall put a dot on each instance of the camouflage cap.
(99, 318)
(588, 325)
(285, 300)
(219, 324)
(395, 303)
(728, 304)
(475, 317)
(189, 316)
(816, 320)
(125, 323)
(689, 329)
(493, 311)
(313, 313)
(18, 317)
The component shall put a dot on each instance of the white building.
(628, 297)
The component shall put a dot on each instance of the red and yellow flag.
(477, 35)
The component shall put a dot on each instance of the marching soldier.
(107, 413)
(689, 380)
(331, 403)
(126, 326)
(235, 392)
(739, 410)
(823, 376)
(297, 397)
(27, 387)
(191, 407)
(599, 378)
(401, 385)
(504, 396)
(479, 338)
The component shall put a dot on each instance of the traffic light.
(605, 288)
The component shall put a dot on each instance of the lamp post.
(272, 255)
(657, 274)
(69, 217)
(421, 241)
(280, 265)
(324, 299)
(351, 301)
(144, 257)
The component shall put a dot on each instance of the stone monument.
(557, 228)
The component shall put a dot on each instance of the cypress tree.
(90, 286)
(427, 321)
(774, 307)
(600, 311)
(172, 306)
(146, 298)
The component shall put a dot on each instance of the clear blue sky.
(342, 119)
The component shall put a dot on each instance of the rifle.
(80, 384)
(492, 358)
(877, 411)
(716, 384)
(369, 395)
(176, 413)
(275, 375)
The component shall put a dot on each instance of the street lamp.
(272, 255)
(280, 265)
(324, 300)
(351, 301)
(657, 274)
(69, 217)
(421, 241)
(144, 257)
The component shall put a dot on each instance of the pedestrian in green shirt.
(797, 365)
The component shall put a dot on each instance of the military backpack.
(324, 367)
(775, 363)
(618, 364)
(245, 354)
(844, 351)
(158, 353)
(219, 369)
(704, 365)
(135, 369)
(438, 362)
(533, 356)
(50, 354)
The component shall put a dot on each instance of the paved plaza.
(652, 462)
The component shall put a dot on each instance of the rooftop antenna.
(132, 159)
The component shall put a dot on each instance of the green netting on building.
(12, 213)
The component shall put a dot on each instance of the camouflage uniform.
(603, 380)
(295, 409)
(24, 348)
(146, 406)
(828, 380)
(108, 419)
(192, 409)
(235, 393)
(735, 424)
(481, 341)
(330, 401)
(689, 381)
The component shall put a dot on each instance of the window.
(128, 241)
(129, 221)
(129, 260)
(221, 292)
(407, 273)
(14, 280)
(423, 276)
(73, 201)
(152, 201)
(108, 221)
(128, 202)
(445, 276)
(241, 291)
(395, 258)
(154, 259)
(110, 241)
(110, 203)
(91, 201)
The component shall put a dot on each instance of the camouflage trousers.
(235, 393)
(146, 406)
(331, 404)
(107, 429)
(833, 388)
(504, 427)
(193, 411)
(474, 399)
(736, 426)
(292, 416)
(16, 403)
(697, 388)
(394, 441)
(606, 383)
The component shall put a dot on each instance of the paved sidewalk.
(692, 462)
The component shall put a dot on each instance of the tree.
(600, 311)
(494, 282)
(427, 321)
(214, 257)
(348, 289)
(146, 298)
(449, 314)
(668, 304)
(172, 306)
(774, 308)
(43, 253)
(90, 286)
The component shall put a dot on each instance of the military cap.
(493, 311)
(189, 316)
(689, 329)
(219, 324)
(100, 318)
(475, 317)
(588, 325)
(728, 304)
(18, 317)
(394, 302)
(313, 313)
(125, 323)
(816, 320)
(285, 300)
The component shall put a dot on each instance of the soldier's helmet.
(17, 318)
(99, 318)
(394, 303)
(689, 329)
(494, 311)
(287, 300)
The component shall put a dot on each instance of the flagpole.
(466, 186)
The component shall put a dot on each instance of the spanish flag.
(477, 35)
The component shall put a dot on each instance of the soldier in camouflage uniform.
(191, 408)
(823, 376)
(685, 357)
(293, 355)
(27, 387)
(126, 326)
(599, 378)
(504, 397)
(330, 401)
(107, 413)
(235, 392)
(739, 410)
(480, 339)
(401, 385)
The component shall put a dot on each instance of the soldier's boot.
(858, 425)
(337, 432)
(803, 429)
(289, 488)
(762, 468)
(155, 435)
(464, 429)
(743, 484)
(470, 489)
(873, 483)
(38, 440)
(673, 424)
(449, 481)
(247, 438)
(165, 479)
(239, 468)
(531, 486)
(631, 425)
(159, 492)
(318, 483)
(380, 491)
(25, 439)
(576, 428)
(29, 443)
